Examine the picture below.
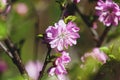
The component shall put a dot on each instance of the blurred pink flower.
(8, 9)
(3, 2)
(96, 54)
(99, 55)
(3, 66)
(21, 8)
(62, 35)
(95, 26)
(33, 69)
(76, 1)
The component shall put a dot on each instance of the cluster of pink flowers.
(96, 54)
(60, 36)
(108, 12)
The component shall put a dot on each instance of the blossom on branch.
(59, 66)
(64, 59)
(108, 12)
(62, 35)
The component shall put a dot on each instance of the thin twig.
(88, 23)
(63, 11)
(45, 64)
(102, 38)
(36, 40)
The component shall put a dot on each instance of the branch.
(88, 23)
(98, 39)
(6, 50)
(102, 38)
(36, 39)
(45, 64)
(16, 59)
(66, 10)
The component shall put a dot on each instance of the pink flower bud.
(3, 66)
(21, 8)
(76, 1)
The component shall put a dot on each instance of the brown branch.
(88, 23)
(16, 59)
(45, 64)
(6, 50)
(98, 39)
(102, 38)
(36, 39)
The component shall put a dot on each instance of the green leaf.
(55, 55)
(105, 50)
(70, 18)
(40, 35)
(112, 56)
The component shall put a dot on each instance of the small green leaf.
(40, 35)
(57, 55)
(105, 50)
(70, 18)
(112, 56)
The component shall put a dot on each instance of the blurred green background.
(23, 29)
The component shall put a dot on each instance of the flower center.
(62, 35)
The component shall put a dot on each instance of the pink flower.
(64, 59)
(59, 66)
(76, 1)
(21, 8)
(58, 70)
(96, 54)
(95, 26)
(33, 69)
(108, 12)
(3, 66)
(99, 55)
(62, 35)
